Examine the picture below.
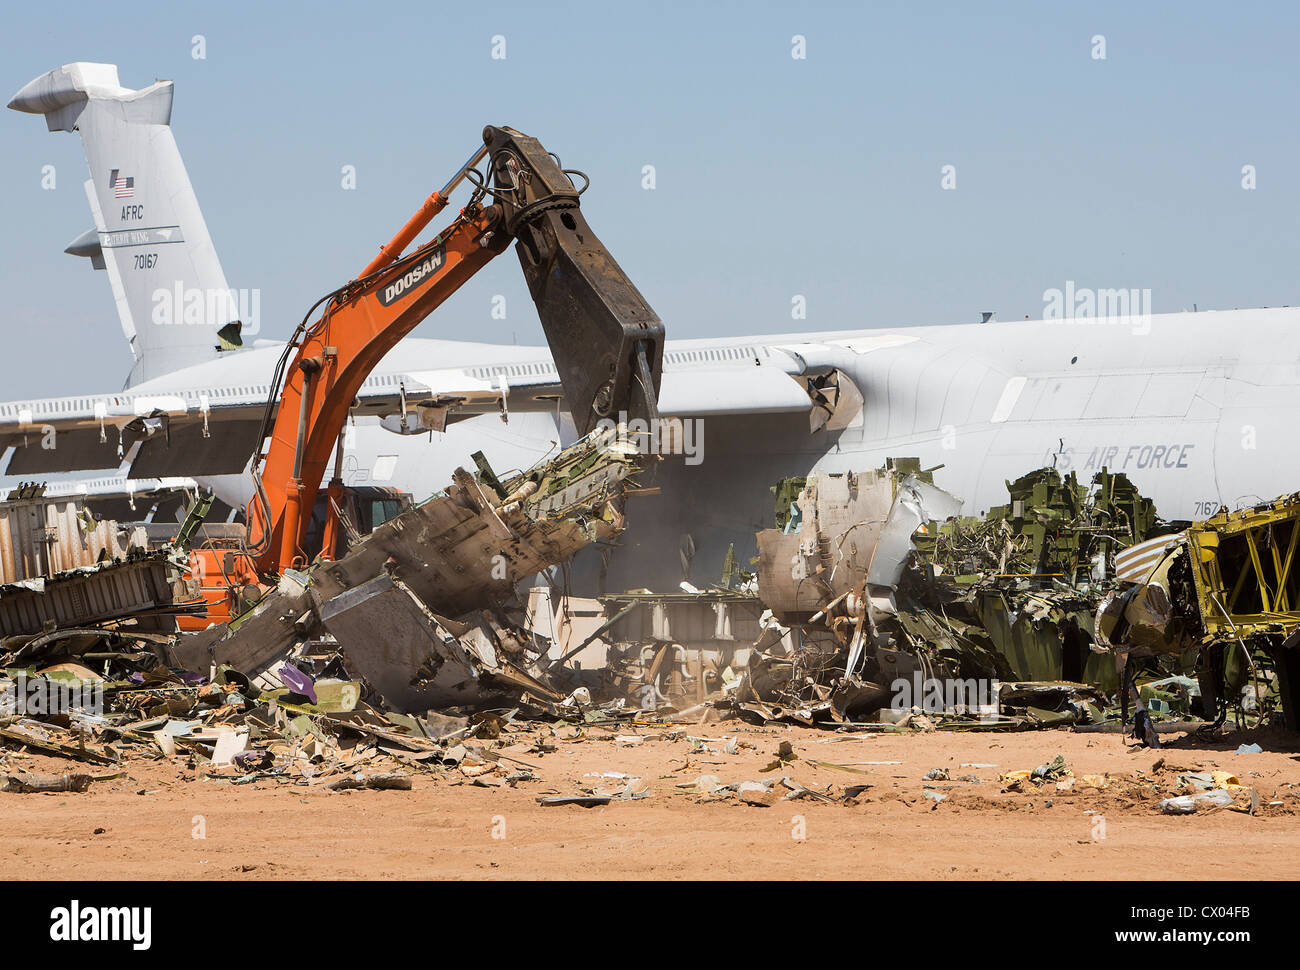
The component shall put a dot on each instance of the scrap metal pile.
(61, 569)
(398, 654)
(411, 653)
(1223, 591)
(879, 588)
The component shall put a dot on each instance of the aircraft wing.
(697, 381)
(695, 392)
(212, 431)
(178, 427)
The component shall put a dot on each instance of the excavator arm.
(606, 340)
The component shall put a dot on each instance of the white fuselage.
(1196, 408)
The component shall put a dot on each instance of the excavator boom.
(606, 340)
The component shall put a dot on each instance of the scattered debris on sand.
(876, 607)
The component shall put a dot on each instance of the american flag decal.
(123, 186)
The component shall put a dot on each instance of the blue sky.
(774, 176)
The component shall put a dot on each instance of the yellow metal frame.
(1257, 526)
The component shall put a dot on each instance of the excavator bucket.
(606, 340)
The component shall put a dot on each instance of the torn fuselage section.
(890, 604)
(424, 608)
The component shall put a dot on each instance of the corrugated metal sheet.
(86, 596)
(41, 537)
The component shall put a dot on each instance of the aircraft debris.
(61, 567)
(407, 659)
(1224, 592)
(419, 606)
(884, 597)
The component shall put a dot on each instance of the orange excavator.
(606, 341)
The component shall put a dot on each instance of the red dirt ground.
(143, 826)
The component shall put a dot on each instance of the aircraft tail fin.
(149, 235)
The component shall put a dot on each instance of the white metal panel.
(1168, 395)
